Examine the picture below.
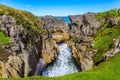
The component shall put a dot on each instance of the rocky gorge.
(35, 40)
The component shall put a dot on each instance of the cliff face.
(77, 34)
(24, 49)
(26, 43)
(81, 34)
(55, 33)
(90, 37)
(82, 28)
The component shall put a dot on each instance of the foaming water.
(63, 65)
(40, 67)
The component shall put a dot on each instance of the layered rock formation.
(55, 33)
(22, 53)
(54, 26)
(82, 28)
(49, 51)
(60, 36)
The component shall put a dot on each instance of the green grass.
(104, 41)
(107, 14)
(4, 40)
(27, 19)
(109, 70)
(104, 38)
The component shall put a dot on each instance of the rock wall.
(82, 28)
(24, 49)
(22, 55)
(55, 33)
(82, 31)
(49, 51)
(54, 25)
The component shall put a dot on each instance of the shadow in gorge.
(64, 63)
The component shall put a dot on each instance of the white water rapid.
(63, 65)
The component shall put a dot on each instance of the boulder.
(113, 22)
(59, 37)
(113, 51)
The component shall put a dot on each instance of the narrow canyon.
(49, 46)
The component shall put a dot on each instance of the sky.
(62, 7)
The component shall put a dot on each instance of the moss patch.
(4, 40)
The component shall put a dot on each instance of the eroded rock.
(82, 28)
(82, 57)
(24, 49)
(59, 37)
(2, 70)
(49, 51)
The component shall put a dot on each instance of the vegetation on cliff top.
(107, 14)
(105, 35)
(27, 19)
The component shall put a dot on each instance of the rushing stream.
(64, 63)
